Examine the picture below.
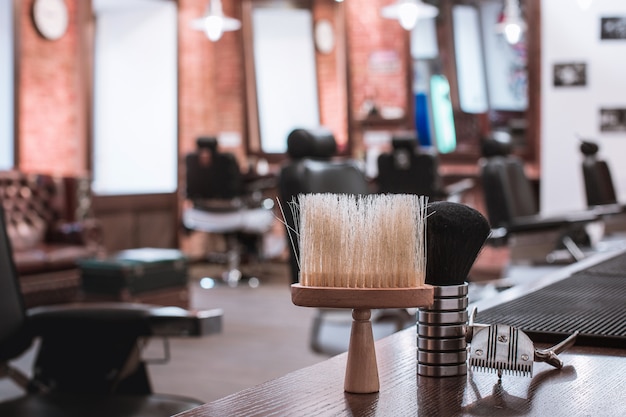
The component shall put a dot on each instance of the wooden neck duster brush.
(363, 253)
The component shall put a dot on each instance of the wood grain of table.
(591, 383)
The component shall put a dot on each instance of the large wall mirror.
(135, 97)
(280, 72)
(489, 76)
(7, 83)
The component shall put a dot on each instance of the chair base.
(330, 334)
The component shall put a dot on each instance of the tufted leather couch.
(50, 227)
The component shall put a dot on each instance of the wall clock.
(324, 36)
(50, 18)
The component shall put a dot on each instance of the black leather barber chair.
(222, 204)
(314, 168)
(599, 189)
(407, 169)
(513, 212)
(88, 361)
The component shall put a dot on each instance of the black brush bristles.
(455, 234)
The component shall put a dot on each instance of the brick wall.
(377, 55)
(53, 112)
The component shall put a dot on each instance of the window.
(135, 97)
(7, 98)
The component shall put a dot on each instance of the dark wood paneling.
(134, 221)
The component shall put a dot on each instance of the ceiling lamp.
(408, 12)
(510, 22)
(214, 23)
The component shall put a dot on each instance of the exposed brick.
(53, 115)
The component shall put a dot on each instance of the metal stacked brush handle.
(441, 343)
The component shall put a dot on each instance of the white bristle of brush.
(370, 241)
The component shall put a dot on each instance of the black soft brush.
(455, 234)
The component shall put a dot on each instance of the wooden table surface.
(591, 383)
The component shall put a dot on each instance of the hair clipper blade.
(502, 349)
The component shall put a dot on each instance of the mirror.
(7, 82)
(285, 72)
(285, 78)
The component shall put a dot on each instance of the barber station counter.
(591, 383)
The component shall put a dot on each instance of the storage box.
(134, 271)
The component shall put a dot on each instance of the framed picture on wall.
(570, 74)
(613, 120)
(613, 28)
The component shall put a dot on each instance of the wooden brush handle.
(361, 298)
(361, 368)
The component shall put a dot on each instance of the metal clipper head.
(502, 349)
(506, 349)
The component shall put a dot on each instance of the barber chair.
(222, 204)
(513, 212)
(88, 361)
(409, 170)
(599, 189)
(313, 168)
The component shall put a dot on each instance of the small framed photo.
(613, 28)
(613, 120)
(570, 74)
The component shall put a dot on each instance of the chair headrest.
(207, 142)
(492, 147)
(312, 143)
(407, 142)
(589, 148)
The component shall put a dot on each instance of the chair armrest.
(538, 222)
(86, 232)
(457, 188)
(140, 319)
(176, 321)
(498, 237)
(608, 209)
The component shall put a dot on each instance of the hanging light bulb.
(214, 23)
(408, 12)
(510, 23)
(214, 27)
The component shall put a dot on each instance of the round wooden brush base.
(361, 368)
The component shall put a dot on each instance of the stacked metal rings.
(441, 327)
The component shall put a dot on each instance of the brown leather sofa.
(50, 227)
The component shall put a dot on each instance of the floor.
(264, 336)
